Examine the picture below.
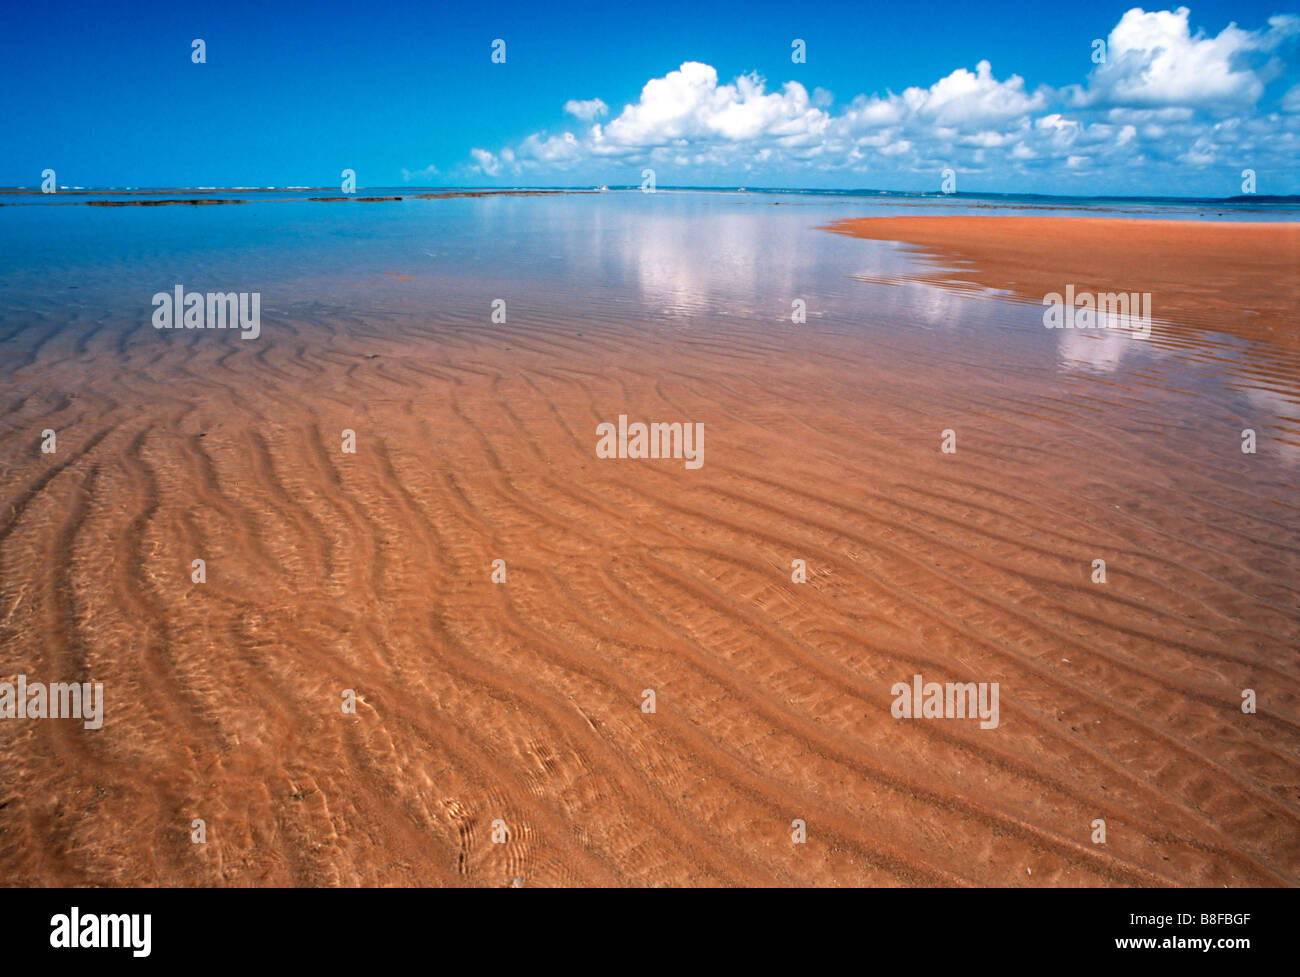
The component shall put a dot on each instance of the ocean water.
(677, 259)
(671, 252)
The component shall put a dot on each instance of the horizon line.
(727, 188)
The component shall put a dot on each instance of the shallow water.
(521, 701)
(665, 261)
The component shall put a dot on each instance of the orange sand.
(1230, 277)
(522, 701)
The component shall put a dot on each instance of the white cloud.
(689, 104)
(1153, 59)
(552, 149)
(587, 110)
(1165, 99)
(964, 99)
(486, 161)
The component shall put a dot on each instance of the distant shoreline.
(195, 201)
(424, 192)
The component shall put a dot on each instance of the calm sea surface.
(675, 259)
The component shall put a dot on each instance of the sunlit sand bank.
(1233, 277)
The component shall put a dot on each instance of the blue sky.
(1007, 95)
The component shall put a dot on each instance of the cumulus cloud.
(1153, 59)
(587, 110)
(1164, 97)
(690, 105)
(490, 163)
(966, 99)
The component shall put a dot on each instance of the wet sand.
(1231, 277)
(521, 701)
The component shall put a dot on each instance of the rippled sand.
(522, 701)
